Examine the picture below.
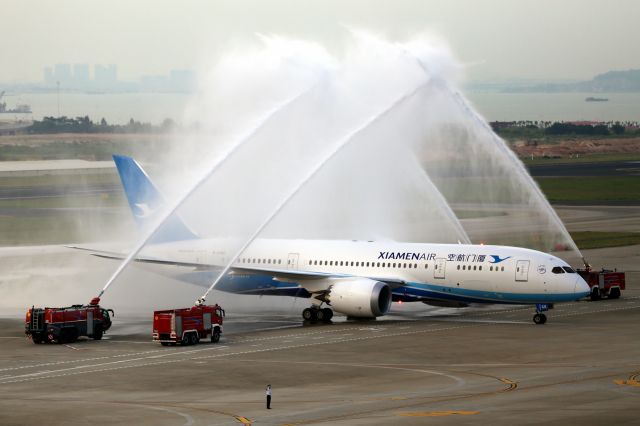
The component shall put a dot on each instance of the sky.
(494, 39)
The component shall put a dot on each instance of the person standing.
(268, 393)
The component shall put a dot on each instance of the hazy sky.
(536, 39)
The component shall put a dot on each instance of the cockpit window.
(557, 270)
(568, 270)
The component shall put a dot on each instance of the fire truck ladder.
(35, 320)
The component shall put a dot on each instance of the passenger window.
(326, 263)
(458, 267)
(384, 265)
(367, 264)
(517, 269)
(394, 265)
(568, 270)
(480, 268)
(378, 264)
(557, 270)
(474, 267)
(404, 265)
(502, 268)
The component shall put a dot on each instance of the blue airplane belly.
(257, 284)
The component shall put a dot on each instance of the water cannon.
(95, 301)
(200, 301)
(587, 267)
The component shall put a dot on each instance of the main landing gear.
(315, 313)
(539, 317)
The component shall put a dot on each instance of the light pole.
(58, 90)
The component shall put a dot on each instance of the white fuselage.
(416, 272)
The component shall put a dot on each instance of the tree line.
(86, 125)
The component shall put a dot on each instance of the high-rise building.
(105, 75)
(81, 74)
(62, 73)
(48, 76)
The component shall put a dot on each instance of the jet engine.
(361, 297)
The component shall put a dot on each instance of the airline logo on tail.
(143, 211)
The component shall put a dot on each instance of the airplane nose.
(581, 288)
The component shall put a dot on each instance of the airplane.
(359, 279)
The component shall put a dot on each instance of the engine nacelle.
(362, 297)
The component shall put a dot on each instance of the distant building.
(48, 76)
(182, 80)
(81, 74)
(62, 73)
(105, 76)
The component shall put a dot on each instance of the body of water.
(155, 107)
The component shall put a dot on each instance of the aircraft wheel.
(309, 314)
(320, 315)
(327, 314)
(539, 318)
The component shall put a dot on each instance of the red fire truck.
(64, 325)
(188, 326)
(604, 283)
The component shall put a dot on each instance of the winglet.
(145, 201)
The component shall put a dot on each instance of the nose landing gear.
(539, 317)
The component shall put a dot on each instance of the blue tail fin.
(145, 201)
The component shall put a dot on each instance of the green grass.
(592, 240)
(63, 228)
(586, 158)
(60, 180)
(587, 189)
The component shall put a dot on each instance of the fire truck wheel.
(215, 336)
(37, 338)
(193, 339)
(97, 334)
(595, 293)
(51, 338)
(185, 340)
(614, 293)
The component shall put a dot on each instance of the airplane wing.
(310, 280)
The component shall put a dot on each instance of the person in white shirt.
(268, 392)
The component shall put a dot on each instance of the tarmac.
(419, 365)
(488, 366)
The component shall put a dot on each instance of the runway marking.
(71, 347)
(438, 413)
(243, 420)
(512, 385)
(631, 381)
(88, 368)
